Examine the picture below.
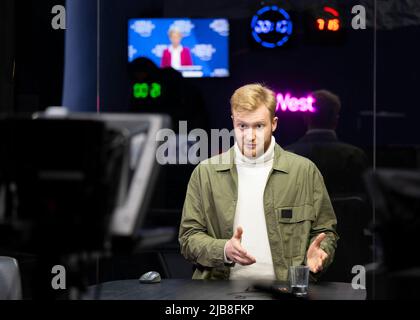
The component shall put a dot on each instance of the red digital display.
(329, 24)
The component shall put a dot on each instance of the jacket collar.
(280, 162)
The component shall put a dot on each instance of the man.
(341, 164)
(255, 210)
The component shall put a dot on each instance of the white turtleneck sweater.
(252, 179)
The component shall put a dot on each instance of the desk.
(187, 289)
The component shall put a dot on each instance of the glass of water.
(299, 278)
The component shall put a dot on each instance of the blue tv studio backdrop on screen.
(203, 50)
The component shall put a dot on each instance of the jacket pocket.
(294, 225)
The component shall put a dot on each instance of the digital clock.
(143, 90)
(271, 26)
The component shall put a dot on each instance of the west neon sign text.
(288, 103)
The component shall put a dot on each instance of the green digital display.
(143, 90)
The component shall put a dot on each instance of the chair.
(395, 195)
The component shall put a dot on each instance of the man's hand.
(235, 252)
(315, 256)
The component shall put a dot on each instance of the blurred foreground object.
(395, 195)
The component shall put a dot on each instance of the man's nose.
(251, 134)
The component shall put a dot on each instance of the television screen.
(195, 47)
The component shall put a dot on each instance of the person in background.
(176, 56)
(341, 164)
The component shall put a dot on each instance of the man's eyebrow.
(256, 122)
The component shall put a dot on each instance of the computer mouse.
(150, 277)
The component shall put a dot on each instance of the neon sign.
(271, 26)
(293, 104)
(329, 24)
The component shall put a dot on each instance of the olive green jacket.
(296, 205)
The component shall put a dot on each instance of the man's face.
(253, 130)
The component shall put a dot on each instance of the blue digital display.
(271, 27)
(195, 47)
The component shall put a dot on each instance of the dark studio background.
(346, 69)
(42, 67)
(40, 79)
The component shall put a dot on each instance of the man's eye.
(260, 126)
(242, 126)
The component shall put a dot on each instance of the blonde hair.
(252, 96)
(176, 30)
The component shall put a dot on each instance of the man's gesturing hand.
(235, 252)
(315, 256)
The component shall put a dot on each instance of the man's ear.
(274, 124)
